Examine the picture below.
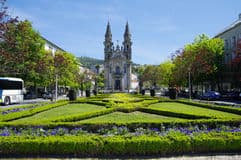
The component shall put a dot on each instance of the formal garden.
(119, 125)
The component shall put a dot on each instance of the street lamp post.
(189, 83)
(96, 78)
(56, 87)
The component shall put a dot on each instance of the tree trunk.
(140, 86)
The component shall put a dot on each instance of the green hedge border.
(229, 109)
(99, 146)
(82, 116)
(172, 114)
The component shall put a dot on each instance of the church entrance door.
(117, 84)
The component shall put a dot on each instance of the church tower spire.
(127, 42)
(108, 34)
(127, 32)
(108, 42)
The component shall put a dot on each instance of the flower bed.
(115, 130)
(21, 108)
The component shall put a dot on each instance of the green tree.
(45, 69)
(66, 67)
(23, 48)
(203, 58)
(166, 69)
(152, 75)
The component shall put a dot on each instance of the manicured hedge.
(30, 112)
(214, 107)
(99, 146)
(81, 116)
(172, 114)
(90, 101)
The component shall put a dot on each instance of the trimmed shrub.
(78, 117)
(214, 107)
(152, 92)
(172, 114)
(72, 95)
(172, 93)
(93, 146)
(87, 93)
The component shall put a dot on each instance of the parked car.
(30, 95)
(47, 95)
(133, 91)
(233, 95)
(211, 95)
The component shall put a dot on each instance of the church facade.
(117, 61)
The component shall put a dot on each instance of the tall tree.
(66, 67)
(23, 48)
(152, 75)
(203, 59)
(166, 69)
(45, 69)
(5, 22)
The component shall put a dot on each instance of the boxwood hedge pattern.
(97, 146)
(67, 135)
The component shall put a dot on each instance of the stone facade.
(232, 39)
(117, 61)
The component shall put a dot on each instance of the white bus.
(11, 90)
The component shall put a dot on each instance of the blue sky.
(158, 27)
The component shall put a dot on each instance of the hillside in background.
(89, 62)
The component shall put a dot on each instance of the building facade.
(117, 61)
(51, 47)
(231, 78)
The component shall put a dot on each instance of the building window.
(233, 42)
(226, 44)
(117, 70)
(50, 48)
(110, 69)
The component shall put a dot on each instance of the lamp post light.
(56, 87)
(189, 82)
(96, 78)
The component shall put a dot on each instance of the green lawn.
(193, 110)
(65, 110)
(120, 117)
